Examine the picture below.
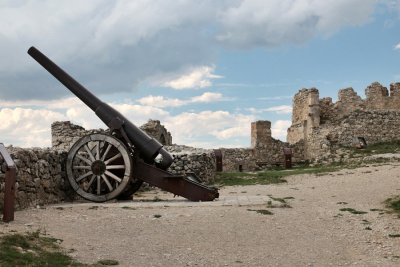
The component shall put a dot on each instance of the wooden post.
(9, 190)
(9, 195)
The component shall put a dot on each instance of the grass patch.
(270, 176)
(108, 262)
(128, 208)
(33, 249)
(379, 148)
(280, 200)
(393, 204)
(263, 212)
(353, 211)
(394, 235)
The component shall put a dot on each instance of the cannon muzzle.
(148, 148)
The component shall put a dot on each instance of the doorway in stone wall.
(218, 160)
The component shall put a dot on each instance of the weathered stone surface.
(158, 132)
(40, 177)
(376, 119)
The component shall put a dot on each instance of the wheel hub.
(98, 167)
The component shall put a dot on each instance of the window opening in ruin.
(240, 168)
(162, 139)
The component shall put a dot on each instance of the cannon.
(104, 166)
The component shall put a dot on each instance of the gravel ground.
(174, 232)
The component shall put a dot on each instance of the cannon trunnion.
(101, 167)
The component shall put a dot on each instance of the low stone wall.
(374, 126)
(64, 134)
(236, 159)
(40, 177)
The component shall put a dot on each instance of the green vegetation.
(353, 211)
(393, 203)
(270, 176)
(35, 249)
(108, 262)
(394, 235)
(278, 199)
(128, 208)
(379, 148)
(263, 212)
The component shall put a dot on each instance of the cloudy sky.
(204, 68)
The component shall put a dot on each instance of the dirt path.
(229, 233)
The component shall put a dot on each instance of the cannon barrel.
(148, 147)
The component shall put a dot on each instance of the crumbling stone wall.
(158, 132)
(190, 159)
(64, 134)
(305, 116)
(264, 153)
(40, 177)
(375, 118)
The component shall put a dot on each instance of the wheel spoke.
(107, 182)
(91, 181)
(106, 152)
(112, 175)
(98, 185)
(98, 151)
(113, 158)
(80, 178)
(81, 167)
(110, 167)
(89, 152)
(84, 159)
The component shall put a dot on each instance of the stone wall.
(375, 118)
(305, 116)
(158, 132)
(64, 134)
(264, 153)
(40, 177)
(190, 159)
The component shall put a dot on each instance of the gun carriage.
(101, 167)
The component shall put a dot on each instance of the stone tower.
(260, 134)
(306, 115)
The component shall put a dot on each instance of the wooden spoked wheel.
(99, 167)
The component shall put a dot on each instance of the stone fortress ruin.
(320, 132)
(324, 128)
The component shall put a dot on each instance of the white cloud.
(215, 126)
(397, 46)
(209, 129)
(27, 127)
(283, 109)
(207, 98)
(161, 101)
(199, 77)
(272, 23)
(31, 127)
(279, 129)
(119, 44)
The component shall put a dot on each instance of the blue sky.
(205, 69)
